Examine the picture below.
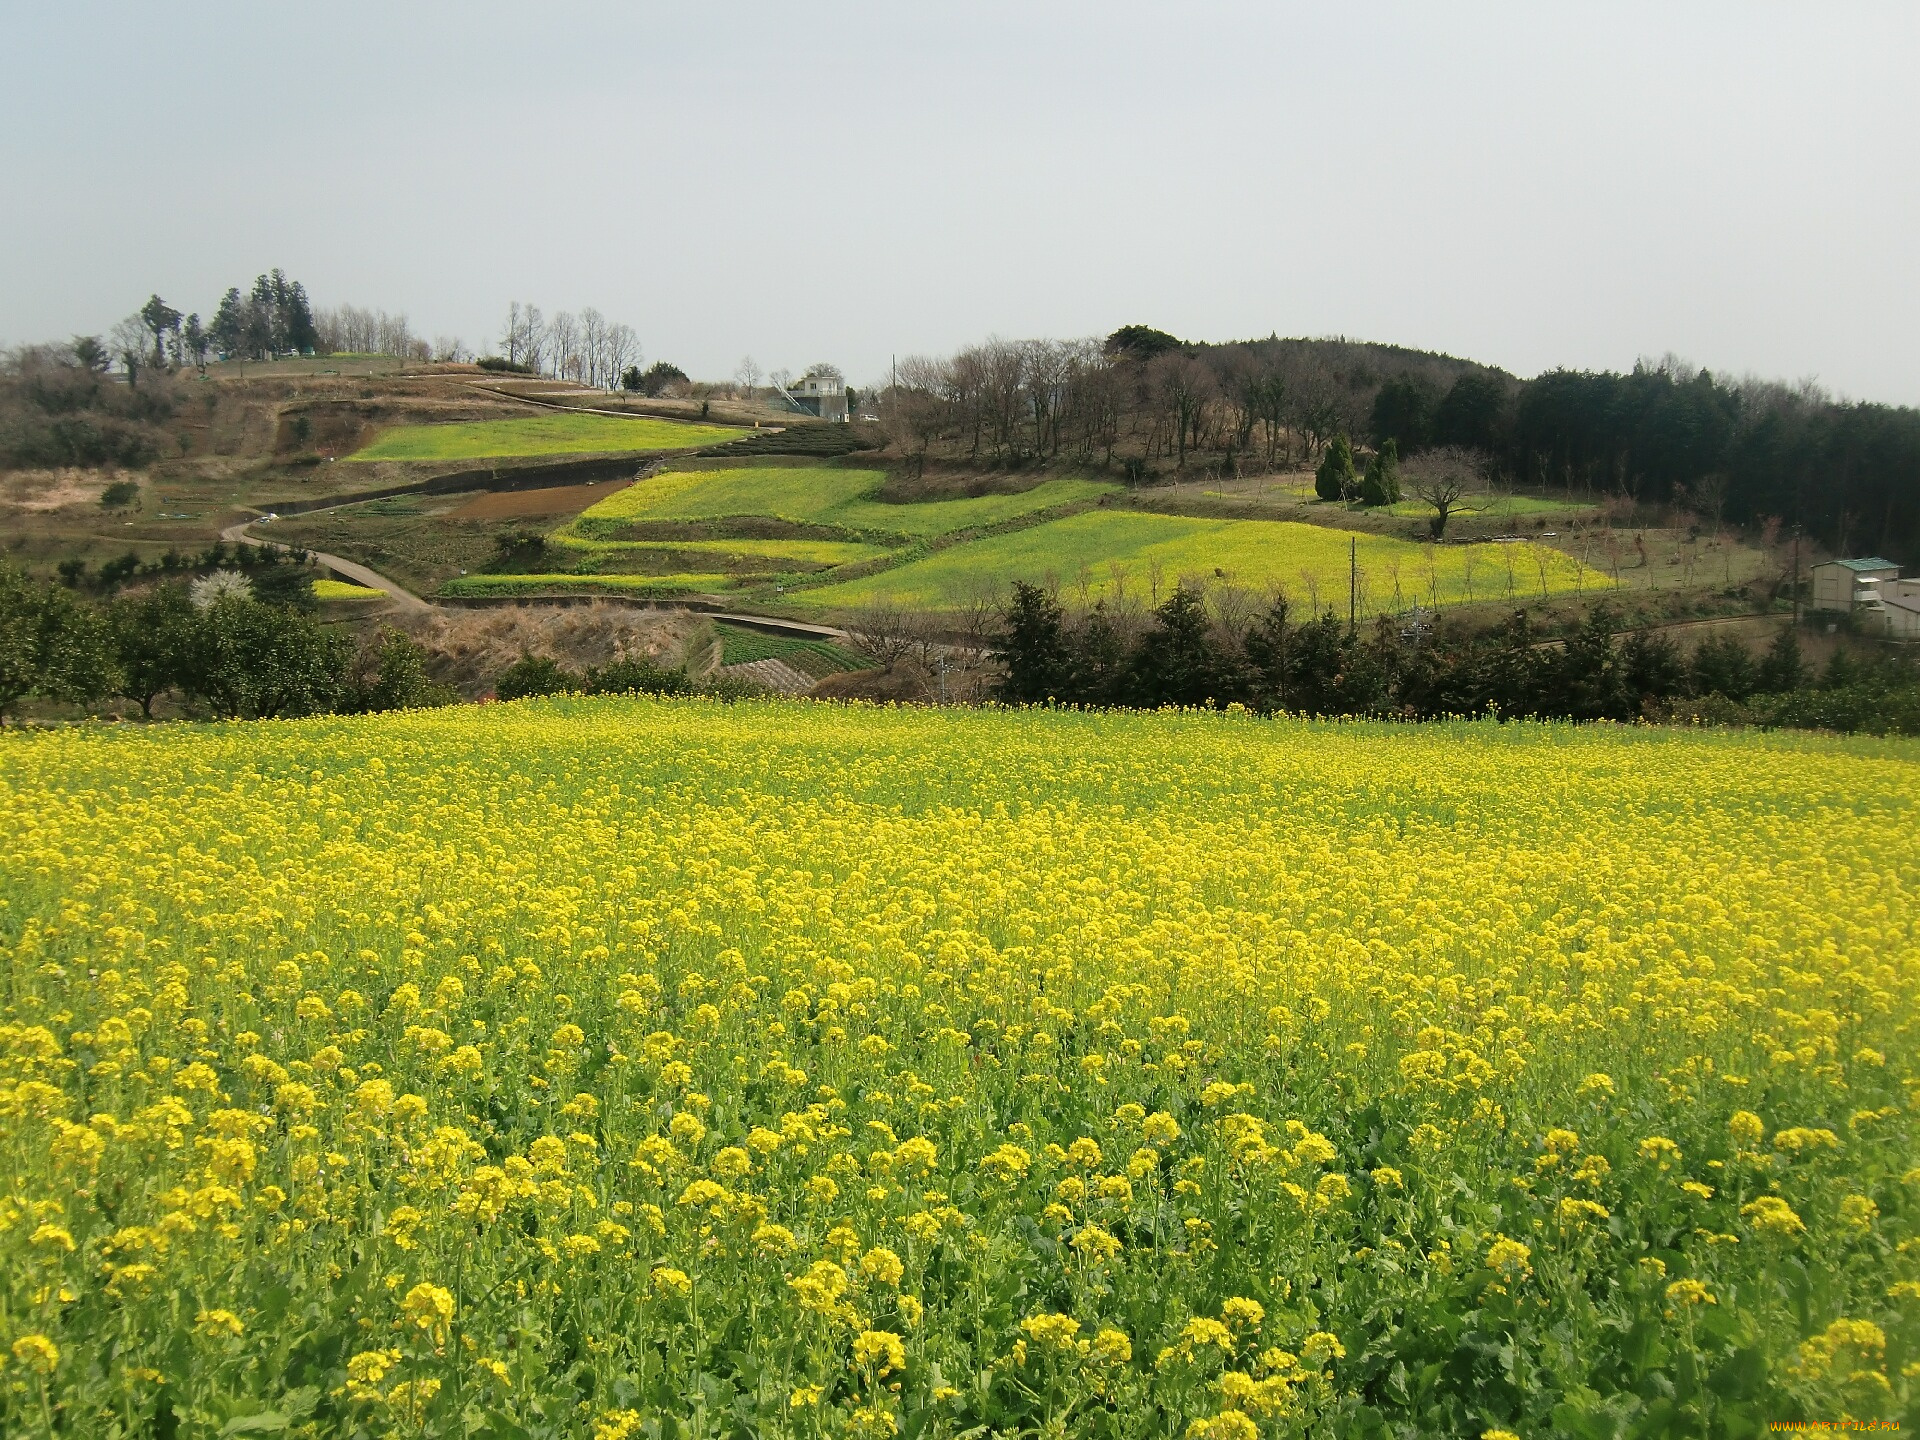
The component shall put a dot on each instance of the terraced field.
(840, 499)
(554, 434)
(1144, 554)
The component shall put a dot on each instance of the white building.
(1873, 589)
(821, 391)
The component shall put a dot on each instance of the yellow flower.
(1111, 1347)
(428, 1307)
(1846, 1347)
(1771, 1215)
(883, 1265)
(1684, 1293)
(667, 1281)
(214, 1323)
(53, 1237)
(1051, 1332)
(1509, 1259)
(1746, 1127)
(1227, 1425)
(616, 1425)
(37, 1353)
(879, 1350)
(1242, 1313)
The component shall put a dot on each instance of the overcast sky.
(1528, 185)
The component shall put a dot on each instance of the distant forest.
(1746, 452)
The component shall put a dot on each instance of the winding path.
(402, 597)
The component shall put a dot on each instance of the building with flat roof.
(821, 391)
(1870, 588)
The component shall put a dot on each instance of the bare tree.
(1441, 477)
(593, 345)
(622, 351)
(128, 343)
(884, 630)
(524, 335)
(748, 374)
(563, 346)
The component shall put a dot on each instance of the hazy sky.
(1528, 185)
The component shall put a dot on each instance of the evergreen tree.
(1034, 649)
(1177, 661)
(1381, 484)
(1335, 478)
(1782, 670)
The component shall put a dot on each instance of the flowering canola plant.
(619, 1067)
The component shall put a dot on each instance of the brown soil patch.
(468, 648)
(559, 500)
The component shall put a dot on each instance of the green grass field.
(699, 584)
(1124, 548)
(817, 497)
(554, 434)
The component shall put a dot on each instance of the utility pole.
(1353, 580)
(1796, 577)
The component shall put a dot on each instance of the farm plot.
(1116, 552)
(602, 1067)
(554, 434)
(835, 498)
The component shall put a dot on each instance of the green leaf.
(262, 1423)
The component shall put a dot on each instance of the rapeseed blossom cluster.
(559, 1066)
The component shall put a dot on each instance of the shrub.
(628, 677)
(534, 675)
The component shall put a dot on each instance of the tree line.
(1284, 661)
(1740, 451)
(231, 643)
(587, 348)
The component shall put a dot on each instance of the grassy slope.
(820, 497)
(803, 552)
(537, 435)
(619, 584)
(1255, 553)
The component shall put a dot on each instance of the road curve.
(402, 597)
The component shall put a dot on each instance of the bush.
(120, 494)
(534, 675)
(390, 673)
(637, 677)
(500, 364)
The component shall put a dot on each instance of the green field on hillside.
(690, 584)
(816, 496)
(554, 434)
(806, 553)
(1128, 550)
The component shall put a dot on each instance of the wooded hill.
(1664, 434)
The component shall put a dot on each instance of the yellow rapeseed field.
(624, 1068)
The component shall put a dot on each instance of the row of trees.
(1281, 660)
(214, 644)
(586, 348)
(1141, 396)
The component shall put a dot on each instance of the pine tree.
(1335, 478)
(1381, 485)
